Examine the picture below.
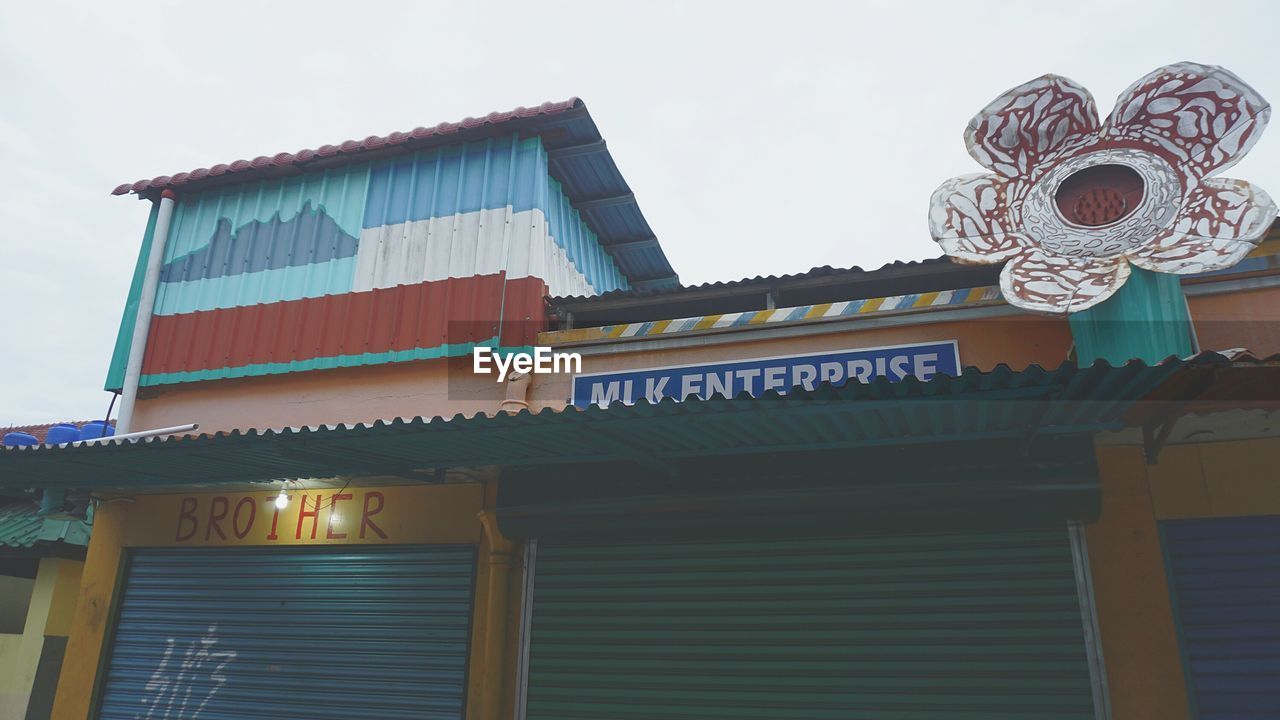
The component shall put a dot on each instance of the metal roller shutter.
(306, 633)
(974, 626)
(1226, 579)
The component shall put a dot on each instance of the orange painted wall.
(1249, 319)
(346, 395)
(448, 387)
(1016, 340)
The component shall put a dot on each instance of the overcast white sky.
(760, 138)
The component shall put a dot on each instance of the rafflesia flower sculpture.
(1070, 203)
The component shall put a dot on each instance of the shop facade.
(348, 601)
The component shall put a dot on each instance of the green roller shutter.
(946, 626)
(291, 633)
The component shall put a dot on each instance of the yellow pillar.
(1131, 592)
(91, 617)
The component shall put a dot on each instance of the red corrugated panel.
(524, 312)
(424, 315)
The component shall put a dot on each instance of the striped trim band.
(805, 313)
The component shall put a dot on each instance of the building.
(40, 564)
(709, 521)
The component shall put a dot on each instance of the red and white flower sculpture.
(1072, 202)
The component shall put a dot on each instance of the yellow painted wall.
(52, 602)
(1223, 479)
(406, 514)
(1131, 593)
(17, 670)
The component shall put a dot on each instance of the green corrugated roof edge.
(1078, 400)
(22, 527)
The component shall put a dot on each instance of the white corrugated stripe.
(465, 245)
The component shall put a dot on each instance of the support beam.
(604, 202)
(631, 244)
(591, 148)
(1156, 429)
(658, 282)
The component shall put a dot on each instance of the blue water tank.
(15, 439)
(62, 433)
(91, 430)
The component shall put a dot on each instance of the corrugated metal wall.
(454, 185)
(875, 628)
(305, 633)
(1225, 574)
(359, 246)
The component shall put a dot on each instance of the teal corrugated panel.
(22, 527)
(124, 337)
(1147, 319)
(936, 627)
(303, 633)
(19, 525)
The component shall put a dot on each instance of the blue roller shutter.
(305, 633)
(921, 627)
(1226, 580)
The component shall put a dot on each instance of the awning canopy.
(998, 405)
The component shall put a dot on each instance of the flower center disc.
(1099, 195)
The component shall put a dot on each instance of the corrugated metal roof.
(819, 285)
(579, 161)
(351, 149)
(822, 285)
(823, 312)
(1002, 403)
(913, 267)
(21, 527)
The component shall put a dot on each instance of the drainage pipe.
(517, 397)
(146, 306)
(142, 434)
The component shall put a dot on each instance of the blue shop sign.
(759, 375)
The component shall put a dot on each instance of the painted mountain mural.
(309, 237)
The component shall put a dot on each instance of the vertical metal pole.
(1089, 618)
(146, 306)
(526, 620)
